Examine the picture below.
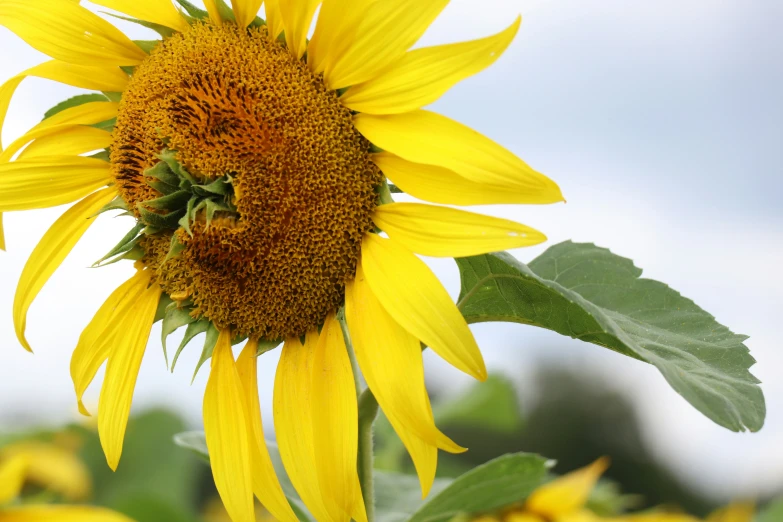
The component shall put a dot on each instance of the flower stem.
(368, 411)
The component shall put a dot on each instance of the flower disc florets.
(233, 105)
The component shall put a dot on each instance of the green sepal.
(160, 221)
(170, 158)
(165, 32)
(267, 346)
(107, 125)
(147, 45)
(115, 204)
(171, 202)
(190, 210)
(128, 69)
(209, 346)
(75, 101)
(116, 97)
(163, 188)
(198, 327)
(175, 248)
(164, 174)
(394, 189)
(221, 187)
(163, 304)
(125, 245)
(226, 13)
(193, 11)
(215, 206)
(174, 319)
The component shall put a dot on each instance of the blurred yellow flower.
(51, 467)
(15, 471)
(565, 500)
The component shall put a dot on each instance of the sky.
(661, 121)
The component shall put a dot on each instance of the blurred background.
(663, 124)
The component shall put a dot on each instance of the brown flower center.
(234, 105)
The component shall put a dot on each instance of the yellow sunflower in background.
(565, 499)
(255, 164)
(54, 470)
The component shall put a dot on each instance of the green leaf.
(772, 513)
(398, 496)
(494, 485)
(588, 293)
(175, 318)
(195, 441)
(74, 102)
(492, 404)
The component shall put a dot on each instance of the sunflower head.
(268, 256)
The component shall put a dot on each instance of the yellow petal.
(265, 484)
(52, 468)
(125, 357)
(297, 15)
(70, 141)
(54, 513)
(86, 114)
(293, 407)
(50, 181)
(336, 27)
(109, 79)
(214, 12)
(391, 363)
(227, 433)
(2, 233)
(439, 185)
(246, 11)
(446, 232)
(385, 32)
(424, 75)
(566, 494)
(53, 248)
(739, 512)
(413, 296)
(425, 137)
(67, 31)
(161, 12)
(96, 340)
(335, 424)
(12, 476)
(274, 21)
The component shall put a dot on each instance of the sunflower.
(256, 164)
(53, 469)
(565, 499)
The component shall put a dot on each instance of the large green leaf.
(588, 293)
(491, 486)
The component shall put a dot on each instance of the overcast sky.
(662, 122)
